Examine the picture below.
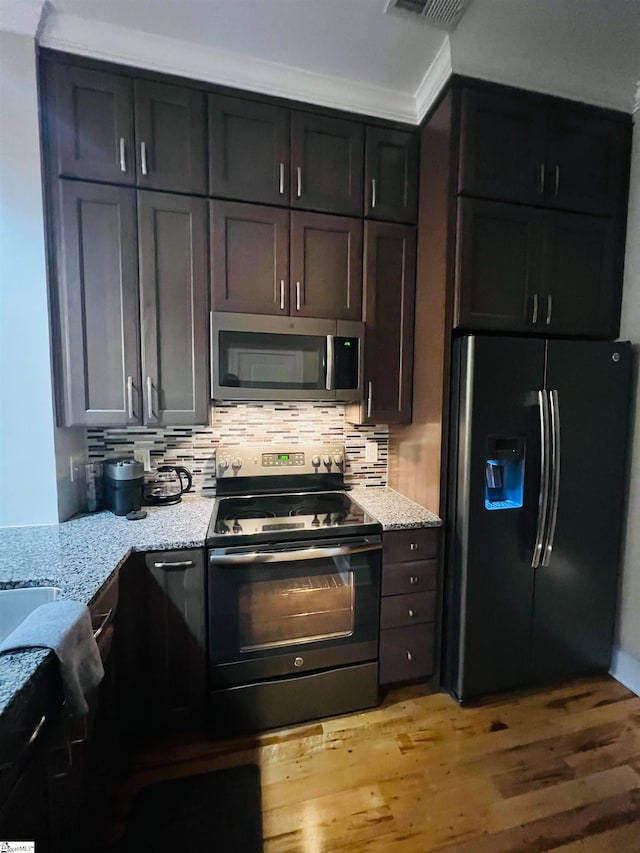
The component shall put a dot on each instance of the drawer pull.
(175, 566)
(411, 613)
(414, 546)
(103, 624)
(413, 580)
(409, 656)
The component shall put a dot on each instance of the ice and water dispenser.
(504, 473)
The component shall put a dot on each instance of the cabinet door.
(581, 276)
(249, 258)
(176, 636)
(248, 150)
(501, 147)
(326, 163)
(170, 137)
(97, 293)
(92, 124)
(172, 243)
(587, 162)
(326, 266)
(389, 295)
(391, 173)
(497, 266)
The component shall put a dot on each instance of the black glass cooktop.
(288, 516)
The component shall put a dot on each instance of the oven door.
(284, 609)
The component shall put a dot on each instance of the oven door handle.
(289, 556)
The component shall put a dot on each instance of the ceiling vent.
(443, 14)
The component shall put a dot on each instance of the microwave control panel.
(269, 461)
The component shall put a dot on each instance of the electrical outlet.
(74, 467)
(143, 454)
(371, 451)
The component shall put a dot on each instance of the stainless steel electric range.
(293, 590)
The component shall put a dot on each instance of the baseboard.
(626, 669)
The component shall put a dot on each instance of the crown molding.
(434, 80)
(21, 17)
(173, 56)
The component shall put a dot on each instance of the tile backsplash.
(293, 424)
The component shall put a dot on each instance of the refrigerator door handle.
(543, 494)
(555, 479)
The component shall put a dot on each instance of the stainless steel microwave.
(258, 357)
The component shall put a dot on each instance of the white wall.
(33, 490)
(626, 665)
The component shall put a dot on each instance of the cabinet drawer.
(409, 577)
(419, 543)
(406, 653)
(399, 610)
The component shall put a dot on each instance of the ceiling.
(350, 54)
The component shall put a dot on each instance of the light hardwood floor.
(554, 769)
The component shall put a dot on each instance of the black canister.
(123, 484)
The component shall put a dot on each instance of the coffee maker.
(123, 485)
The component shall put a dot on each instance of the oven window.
(289, 611)
(262, 360)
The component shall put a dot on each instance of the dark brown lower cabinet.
(409, 605)
(525, 269)
(389, 298)
(161, 634)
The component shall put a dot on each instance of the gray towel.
(64, 626)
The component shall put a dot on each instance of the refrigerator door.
(575, 593)
(489, 578)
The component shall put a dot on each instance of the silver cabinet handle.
(282, 294)
(409, 656)
(150, 413)
(330, 363)
(541, 179)
(105, 618)
(211, 360)
(534, 312)
(413, 546)
(130, 412)
(298, 292)
(543, 497)
(556, 180)
(34, 734)
(176, 565)
(555, 477)
(369, 398)
(281, 179)
(549, 309)
(299, 179)
(143, 157)
(85, 731)
(414, 580)
(373, 192)
(123, 155)
(411, 613)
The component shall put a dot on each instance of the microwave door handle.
(330, 364)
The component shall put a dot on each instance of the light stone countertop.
(80, 555)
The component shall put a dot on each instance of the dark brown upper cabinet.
(90, 117)
(388, 313)
(327, 164)
(534, 150)
(326, 266)
(170, 137)
(97, 295)
(391, 175)
(106, 127)
(523, 269)
(249, 258)
(248, 150)
(172, 249)
(129, 354)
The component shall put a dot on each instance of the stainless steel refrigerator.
(537, 480)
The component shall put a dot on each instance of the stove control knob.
(223, 464)
(315, 461)
(338, 458)
(236, 464)
(327, 462)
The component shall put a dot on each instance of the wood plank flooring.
(554, 769)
